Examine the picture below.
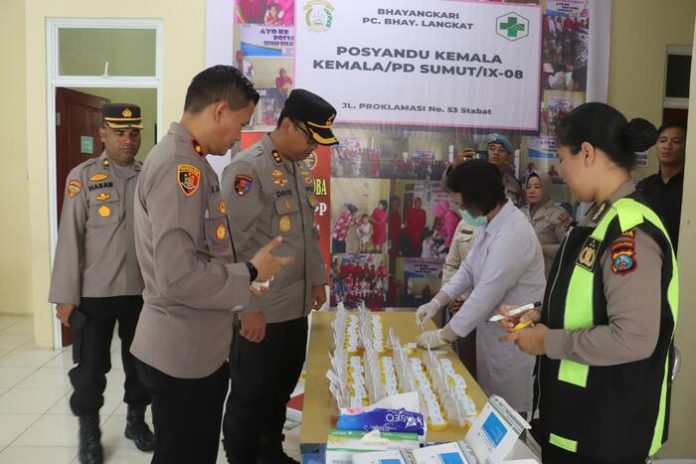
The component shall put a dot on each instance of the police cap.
(122, 116)
(315, 112)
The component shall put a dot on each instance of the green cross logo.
(512, 26)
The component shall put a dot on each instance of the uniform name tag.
(100, 185)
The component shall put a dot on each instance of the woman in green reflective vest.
(604, 335)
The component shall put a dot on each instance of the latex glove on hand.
(429, 310)
(436, 338)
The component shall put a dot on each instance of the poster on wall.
(269, 13)
(568, 8)
(565, 45)
(436, 63)
(267, 41)
(359, 278)
(542, 157)
(384, 204)
(422, 280)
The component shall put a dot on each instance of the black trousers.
(187, 415)
(92, 353)
(551, 454)
(263, 377)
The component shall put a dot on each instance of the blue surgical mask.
(479, 221)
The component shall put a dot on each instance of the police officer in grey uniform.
(96, 280)
(549, 220)
(270, 191)
(193, 283)
(500, 154)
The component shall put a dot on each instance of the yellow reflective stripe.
(573, 372)
(673, 293)
(630, 213)
(600, 230)
(661, 414)
(578, 315)
(564, 443)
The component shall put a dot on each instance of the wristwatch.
(253, 272)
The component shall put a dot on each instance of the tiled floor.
(36, 425)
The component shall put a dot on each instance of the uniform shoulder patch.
(243, 184)
(623, 253)
(189, 178)
(74, 188)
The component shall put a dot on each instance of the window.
(677, 76)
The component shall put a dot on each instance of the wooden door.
(78, 118)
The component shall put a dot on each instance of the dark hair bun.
(640, 135)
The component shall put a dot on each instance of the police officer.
(270, 190)
(550, 221)
(500, 153)
(96, 280)
(192, 280)
(610, 310)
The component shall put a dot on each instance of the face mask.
(479, 221)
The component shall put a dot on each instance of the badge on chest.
(588, 254)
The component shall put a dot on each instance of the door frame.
(54, 80)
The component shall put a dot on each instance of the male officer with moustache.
(96, 280)
(269, 191)
(194, 280)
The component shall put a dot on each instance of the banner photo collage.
(414, 82)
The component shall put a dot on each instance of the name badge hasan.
(100, 185)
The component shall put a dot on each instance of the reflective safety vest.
(613, 413)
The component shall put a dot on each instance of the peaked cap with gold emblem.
(318, 114)
(122, 116)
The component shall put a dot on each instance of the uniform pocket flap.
(285, 205)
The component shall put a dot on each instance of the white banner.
(422, 62)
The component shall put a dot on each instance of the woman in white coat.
(505, 264)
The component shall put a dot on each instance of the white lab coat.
(504, 266)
